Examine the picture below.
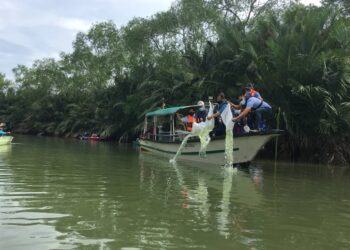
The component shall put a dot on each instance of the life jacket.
(251, 94)
(190, 121)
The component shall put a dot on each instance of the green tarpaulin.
(167, 111)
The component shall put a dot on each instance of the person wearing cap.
(252, 104)
(251, 92)
(201, 113)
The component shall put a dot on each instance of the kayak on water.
(92, 138)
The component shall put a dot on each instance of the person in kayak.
(94, 135)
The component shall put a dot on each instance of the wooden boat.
(166, 143)
(5, 140)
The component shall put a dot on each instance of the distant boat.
(91, 138)
(166, 143)
(5, 140)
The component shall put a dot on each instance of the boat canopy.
(168, 111)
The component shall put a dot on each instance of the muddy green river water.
(70, 194)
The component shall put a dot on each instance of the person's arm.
(235, 106)
(243, 114)
(217, 114)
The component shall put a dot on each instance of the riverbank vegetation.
(297, 55)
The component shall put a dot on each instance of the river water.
(70, 194)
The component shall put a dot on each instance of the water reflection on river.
(64, 194)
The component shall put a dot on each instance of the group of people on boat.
(87, 136)
(194, 116)
(248, 113)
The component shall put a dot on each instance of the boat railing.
(179, 135)
(167, 137)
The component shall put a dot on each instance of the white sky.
(33, 29)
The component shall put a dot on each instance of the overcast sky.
(33, 29)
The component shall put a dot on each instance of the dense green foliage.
(297, 55)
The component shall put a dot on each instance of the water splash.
(201, 130)
(182, 146)
(204, 139)
(226, 116)
(229, 148)
(230, 170)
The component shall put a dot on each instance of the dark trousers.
(259, 115)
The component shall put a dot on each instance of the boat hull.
(245, 149)
(5, 140)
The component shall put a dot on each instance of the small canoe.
(5, 140)
(91, 138)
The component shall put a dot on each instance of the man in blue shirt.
(222, 105)
(253, 104)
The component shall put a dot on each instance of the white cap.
(201, 103)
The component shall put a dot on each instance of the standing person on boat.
(187, 120)
(250, 119)
(201, 114)
(251, 92)
(222, 105)
(253, 104)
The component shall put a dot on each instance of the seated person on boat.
(193, 116)
(187, 120)
(201, 114)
